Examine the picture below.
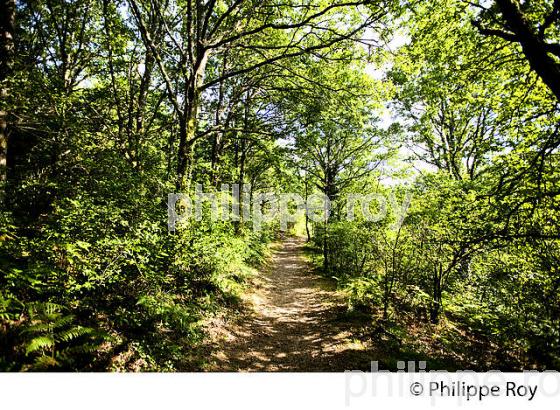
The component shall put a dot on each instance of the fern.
(39, 343)
(45, 362)
(10, 307)
(74, 333)
(54, 339)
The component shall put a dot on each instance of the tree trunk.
(215, 160)
(138, 133)
(7, 23)
(243, 157)
(189, 123)
(386, 294)
(240, 181)
(326, 265)
(187, 137)
(185, 153)
(307, 211)
(435, 308)
(218, 136)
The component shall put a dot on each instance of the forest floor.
(292, 320)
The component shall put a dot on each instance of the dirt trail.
(294, 321)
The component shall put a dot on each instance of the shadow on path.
(295, 322)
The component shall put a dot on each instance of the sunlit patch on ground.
(292, 323)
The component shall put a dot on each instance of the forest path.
(294, 321)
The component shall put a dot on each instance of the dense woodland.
(107, 106)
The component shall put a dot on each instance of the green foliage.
(110, 107)
(363, 292)
(53, 340)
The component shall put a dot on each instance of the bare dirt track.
(293, 320)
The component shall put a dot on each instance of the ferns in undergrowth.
(54, 340)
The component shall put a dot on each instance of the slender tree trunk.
(141, 107)
(240, 181)
(171, 149)
(330, 192)
(7, 23)
(218, 136)
(243, 156)
(307, 211)
(215, 160)
(385, 291)
(436, 295)
(326, 259)
(242, 161)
